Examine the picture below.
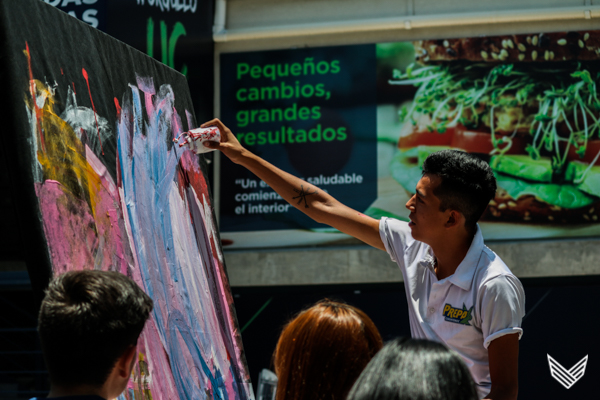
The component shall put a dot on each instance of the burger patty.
(529, 209)
(542, 47)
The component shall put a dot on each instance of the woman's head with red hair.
(323, 350)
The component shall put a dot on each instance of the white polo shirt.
(480, 302)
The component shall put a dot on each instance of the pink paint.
(190, 119)
(146, 85)
(114, 254)
(85, 75)
(70, 235)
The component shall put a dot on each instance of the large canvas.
(90, 123)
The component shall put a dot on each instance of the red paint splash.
(61, 71)
(74, 91)
(38, 111)
(118, 107)
(85, 75)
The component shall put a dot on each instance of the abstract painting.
(94, 123)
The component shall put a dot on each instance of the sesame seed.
(595, 217)
(551, 55)
(494, 56)
(528, 39)
(504, 44)
(493, 203)
(534, 41)
(586, 217)
(591, 211)
(522, 47)
(510, 43)
(484, 54)
(550, 218)
(512, 204)
(501, 206)
(562, 42)
(580, 42)
(534, 55)
(521, 57)
(446, 44)
(586, 36)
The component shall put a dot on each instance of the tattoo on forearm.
(302, 195)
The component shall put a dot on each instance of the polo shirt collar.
(463, 276)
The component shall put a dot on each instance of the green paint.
(163, 42)
(178, 30)
(256, 315)
(150, 37)
(167, 46)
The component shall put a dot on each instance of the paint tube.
(195, 138)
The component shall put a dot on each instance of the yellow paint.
(63, 156)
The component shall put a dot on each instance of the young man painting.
(459, 292)
(89, 324)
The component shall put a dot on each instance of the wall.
(284, 24)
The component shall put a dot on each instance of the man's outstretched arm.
(306, 197)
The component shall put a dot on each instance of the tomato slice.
(592, 149)
(478, 141)
(418, 135)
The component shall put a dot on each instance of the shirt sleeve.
(502, 308)
(396, 238)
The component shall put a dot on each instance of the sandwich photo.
(526, 104)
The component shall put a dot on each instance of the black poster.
(311, 112)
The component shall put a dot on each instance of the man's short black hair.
(87, 320)
(468, 183)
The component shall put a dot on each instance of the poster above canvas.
(526, 104)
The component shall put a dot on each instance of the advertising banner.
(312, 112)
(526, 104)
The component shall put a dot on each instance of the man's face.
(426, 220)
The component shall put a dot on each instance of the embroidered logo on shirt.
(458, 315)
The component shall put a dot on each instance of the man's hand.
(229, 144)
(504, 358)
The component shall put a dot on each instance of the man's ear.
(126, 362)
(455, 219)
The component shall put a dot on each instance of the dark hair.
(468, 183)
(87, 320)
(414, 369)
(323, 350)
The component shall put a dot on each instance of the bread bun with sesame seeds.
(539, 47)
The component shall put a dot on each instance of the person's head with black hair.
(450, 197)
(467, 183)
(414, 369)
(89, 323)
